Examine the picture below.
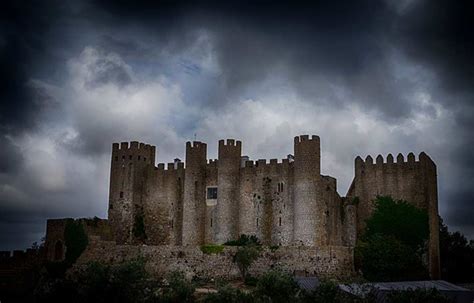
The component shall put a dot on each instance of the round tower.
(194, 202)
(127, 180)
(307, 175)
(228, 186)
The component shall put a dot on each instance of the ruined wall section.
(164, 204)
(228, 182)
(194, 211)
(127, 186)
(310, 209)
(411, 180)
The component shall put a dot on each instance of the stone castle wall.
(283, 203)
(286, 203)
(411, 180)
(328, 261)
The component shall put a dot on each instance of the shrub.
(229, 294)
(179, 289)
(276, 286)
(212, 248)
(244, 240)
(244, 257)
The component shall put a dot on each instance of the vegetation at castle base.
(75, 239)
(244, 257)
(229, 294)
(125, 282)
(393, 243)
(139, 228)
(244, 240)
(178, 289)
(456, 254)
(276, 286)
(212, 248)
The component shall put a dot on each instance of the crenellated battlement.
(304, 138)
(230, 142)
(400, 160)
(133, 152)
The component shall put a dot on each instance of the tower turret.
(194, 206)
(308, 230)
(127, 180)
(228, 186)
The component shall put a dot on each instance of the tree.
(244, 257)
(456, 254)
(276, 286)
(394, 241)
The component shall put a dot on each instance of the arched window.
(58, 251)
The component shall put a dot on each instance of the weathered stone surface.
(287, 203)
(333, 261)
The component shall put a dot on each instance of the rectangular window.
(212, 193)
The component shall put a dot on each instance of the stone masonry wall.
(329, 261)
(411, 180)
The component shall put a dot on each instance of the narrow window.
(130, 157)
(282, 186)
(144, 159)
(138, 157)
(212, 193)
(116, 158)
(172, 224)
(123, 157)
(211, 222)
(279, 221)
(121, 194)
(257, 222)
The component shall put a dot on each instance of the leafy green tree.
(393, 243)
(244, 257)
(399, 219)
(276, 286)
(456, 254)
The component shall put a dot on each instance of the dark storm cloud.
(440, 34)
(23, 26)
(373, 54)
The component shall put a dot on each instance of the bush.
(229, 294)
(244, 240)
(417, 296)
(250, 281)
(212, 248)
(244, 257)
(276, 286)
(125, 282)
(179, 289)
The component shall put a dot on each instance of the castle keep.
(283, 203)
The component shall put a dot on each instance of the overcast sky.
(369, 77)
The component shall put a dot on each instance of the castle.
(284, 203)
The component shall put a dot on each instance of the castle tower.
(228, 190)
(194, 205)
(307, 175)
(127, 181)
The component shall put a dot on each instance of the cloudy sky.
(369, 77)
